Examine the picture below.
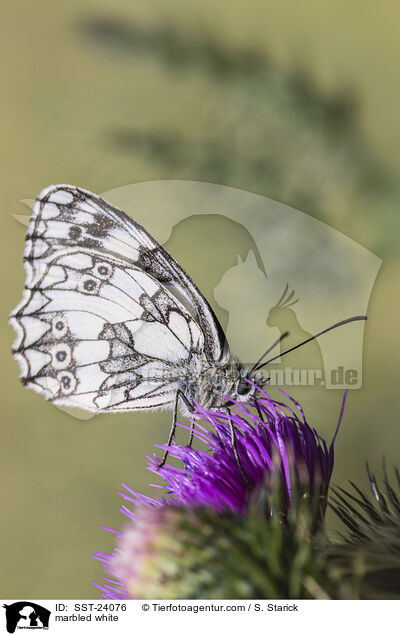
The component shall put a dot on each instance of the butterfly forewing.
(66, 216)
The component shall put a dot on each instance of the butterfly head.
(247, 385)
(216, 386)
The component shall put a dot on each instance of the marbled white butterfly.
(110, 322)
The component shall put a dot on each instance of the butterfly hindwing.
(99, 333)
(66, 216)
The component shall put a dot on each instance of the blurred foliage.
(281, 136)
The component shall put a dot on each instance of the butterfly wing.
(101, 334)
(65, 216)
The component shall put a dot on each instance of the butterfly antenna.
(337, 324)
(284, 335)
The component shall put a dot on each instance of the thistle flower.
(260, 469)
(246, 451)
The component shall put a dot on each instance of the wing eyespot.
(89, 285)
(59, 327)
(67, 382)
(61, 356)
(104, 270)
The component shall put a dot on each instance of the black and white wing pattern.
(100, 326)
(97, 333)
(66, 216)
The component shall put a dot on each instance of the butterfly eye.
(243, 387)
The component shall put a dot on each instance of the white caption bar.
(193, 617)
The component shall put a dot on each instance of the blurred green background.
(295, 101)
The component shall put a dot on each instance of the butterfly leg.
(260, 415)
(234, 447)
(191, 409)
(171, 435)
(191, 434)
